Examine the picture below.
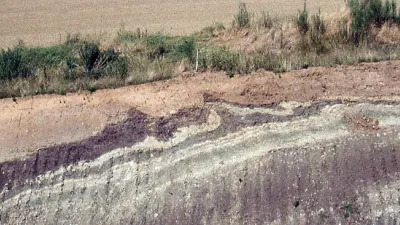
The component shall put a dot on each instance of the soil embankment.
(317, 146)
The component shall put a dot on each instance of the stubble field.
(45, 22)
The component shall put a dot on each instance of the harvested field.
(47, 22)
(316, 146)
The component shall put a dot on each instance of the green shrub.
(374, 11)
(359, 20)
(22, 61)
(49, 57)
(89, 54)
(72, 65)
(302, 22)
(186, 49)
(154, 41)
(12, 64)
(91, 88)
(369, 12)
(317, 32)
(342, 35)
(174, 49)
(387, 11)
(157, 45)
(95, 62)
(394, 10)
(118, 66)
(242, 18)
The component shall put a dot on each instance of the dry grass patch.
(251, 43)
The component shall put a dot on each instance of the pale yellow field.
(44, 22)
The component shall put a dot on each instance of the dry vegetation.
(365, 32)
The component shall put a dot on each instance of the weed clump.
(186, 49)
(89, 54)
(302, 22)
(312, 34)
(265, 21)
(242, 18)
(317, 33)
(12, 64)
(93, 62)
(367, 13)
(348, 209)
(23, 62)
(222, 59)
(213, 30)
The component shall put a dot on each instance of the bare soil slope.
(44, 22)
(316, 146)
(39, 121)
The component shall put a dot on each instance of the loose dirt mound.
(316, 146)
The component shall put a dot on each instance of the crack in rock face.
(294, 163)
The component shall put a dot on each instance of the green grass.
(348, 208)
(56, 69)
(367, 13)
(22, 61)
(243, 16)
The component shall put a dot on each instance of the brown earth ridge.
(315, 146)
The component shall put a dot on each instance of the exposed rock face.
(295, 163)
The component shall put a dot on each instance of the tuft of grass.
(62, 92)
(230, 74)
(91, 88)
(302, 22)
(125, 36)
(387, 11)
(265, 21)
(95, 62)
(242, 18)
(12, 64)
(72, 39)
(186, 49)
(312, 34)
(343, 34)
(359, 21)
(213, 30)
(348, 209)
(296, 203)
(89, 54)
(374, 12)
(394, 11)
(317, 33)
(365, 13)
